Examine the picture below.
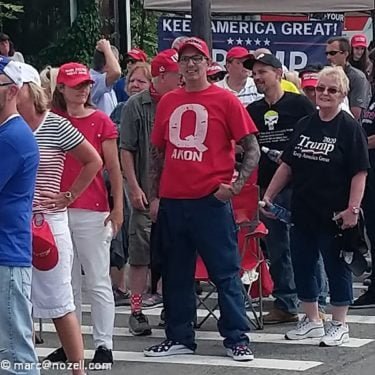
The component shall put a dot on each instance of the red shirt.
(96, 128)
(197, 130)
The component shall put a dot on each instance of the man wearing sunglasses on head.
(337, 52)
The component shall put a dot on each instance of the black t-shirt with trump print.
(276, 123)
(324, 156)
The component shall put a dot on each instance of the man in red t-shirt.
(191, 169)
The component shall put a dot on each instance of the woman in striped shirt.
(52, 294)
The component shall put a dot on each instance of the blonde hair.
(293, 77)
(39, 97)
(337, 73)
(48, 80)
(144, 67)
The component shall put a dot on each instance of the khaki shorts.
(139, 238)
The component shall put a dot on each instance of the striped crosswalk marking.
(271, 338)
(202, 360)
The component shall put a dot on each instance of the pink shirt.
(96, 128)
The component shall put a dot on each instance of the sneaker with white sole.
(337, 333)
(240, 352)
(306, 329)
(167, 348)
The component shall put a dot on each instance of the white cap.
(29, 74)
(11, 69)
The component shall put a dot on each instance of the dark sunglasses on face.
(196, 59)
(330, 90)
(333, 53)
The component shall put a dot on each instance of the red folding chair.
(246, 213)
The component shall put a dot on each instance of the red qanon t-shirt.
(197, 130)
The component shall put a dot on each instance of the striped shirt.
(55, 136)
(246, 95)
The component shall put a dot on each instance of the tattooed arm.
(250, 161)
(156, 167)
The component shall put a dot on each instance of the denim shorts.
(16, 326)
(305, 248)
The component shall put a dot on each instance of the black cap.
(264, 58)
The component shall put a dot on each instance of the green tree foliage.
(77, 42)
(144, 28)
(9, 11)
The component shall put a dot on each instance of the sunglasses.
(330, 90)
(333, 53)
(6, 84)
(196, 59)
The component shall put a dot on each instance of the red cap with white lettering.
(359, 40)
(198, 44)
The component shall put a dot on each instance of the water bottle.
(273, 155)
(280, 212)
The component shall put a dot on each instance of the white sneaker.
(306, 329)
(337, 333)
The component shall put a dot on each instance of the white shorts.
(51, 291)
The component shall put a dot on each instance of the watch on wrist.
(355, 210)
(68, 195)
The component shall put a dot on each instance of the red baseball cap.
(137, 54)
(72, 74)
(45, 253)
(238, 53)
(215, 68)
(309, 79)
(359, 40)
(199, 44)
(165, 61)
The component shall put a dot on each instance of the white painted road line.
(201, 360)
(270, 338)
(357, 319)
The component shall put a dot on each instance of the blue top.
(102, 96)
(119, 89)
(19, 159)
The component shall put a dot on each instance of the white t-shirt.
(55, 136)
(248, 93)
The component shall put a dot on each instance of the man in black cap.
(276, 116)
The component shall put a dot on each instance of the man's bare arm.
(250, 161)
(156, 168)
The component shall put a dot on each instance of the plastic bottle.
(273, 155)
(280, 212)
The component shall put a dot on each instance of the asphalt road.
(273, 354)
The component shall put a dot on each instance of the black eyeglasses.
(196, 59)
(6, 83)
(333, 53)
(330, 90)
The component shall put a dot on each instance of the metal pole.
(201, 20)
(128, 26)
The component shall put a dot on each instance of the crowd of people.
(121, 180)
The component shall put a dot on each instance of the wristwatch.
(68, 195)
(355, 210)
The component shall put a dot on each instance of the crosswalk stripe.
(201, 313)
(264, 363)
(270, 338)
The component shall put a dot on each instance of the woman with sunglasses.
(92, 225)
(326, 163)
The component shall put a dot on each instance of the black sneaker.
(103, 359)
(364, 301)
(121, 298)
(57, 356)
(240, 352)
(167, 348)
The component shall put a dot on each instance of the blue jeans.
(206, 225)
(278, 251)
(306, 247)
(16, 326)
